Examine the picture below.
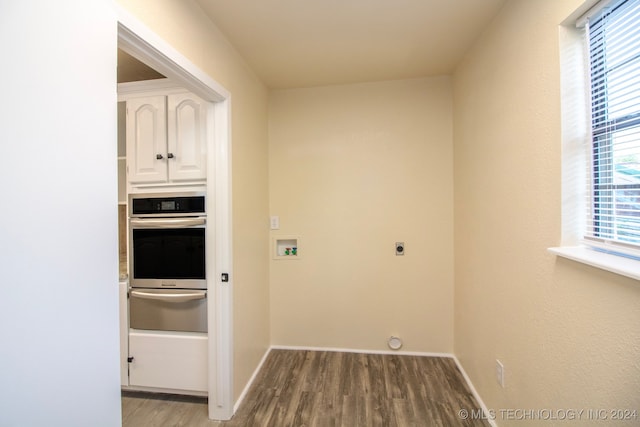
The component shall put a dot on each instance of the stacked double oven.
(167, 255)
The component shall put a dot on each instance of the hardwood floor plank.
(304, 411)
(395, 375)
(404, 413)
(327, 389)
(376, 377)
(416, 393)
(259, 408)
(349, 412)
(328, 411)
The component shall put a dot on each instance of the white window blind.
(614, 48)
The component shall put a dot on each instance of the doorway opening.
(140, 43)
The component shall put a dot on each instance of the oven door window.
(169, 253)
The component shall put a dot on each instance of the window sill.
(616, 264)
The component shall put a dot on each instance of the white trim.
(614, 263)
(148, 88)
(364, 351)
(488, 416)
(221, 314)
(594, 10)
(143, 44)
(140, 42)
(164, 187)
(247, 387)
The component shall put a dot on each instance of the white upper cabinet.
(147, 139)
(166, 139)
(187, 142)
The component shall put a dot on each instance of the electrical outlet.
(399, 248)
(500, 373)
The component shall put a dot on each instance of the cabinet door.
(187, 137)
(169, 361)
(147, 139)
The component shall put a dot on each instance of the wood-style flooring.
(327, 389)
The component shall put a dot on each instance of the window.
(614, 55)
(600, 102)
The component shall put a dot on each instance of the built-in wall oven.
(167, 256)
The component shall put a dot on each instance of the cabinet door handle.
(170, 155)
(159, 156)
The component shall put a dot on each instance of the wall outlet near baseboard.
(500, 373)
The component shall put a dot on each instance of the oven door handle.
(170, 297)
(168, 222)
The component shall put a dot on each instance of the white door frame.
(139, 41)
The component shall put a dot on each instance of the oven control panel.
(167, 204)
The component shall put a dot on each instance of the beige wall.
(567, 334)
(183, 25)
(352, 170)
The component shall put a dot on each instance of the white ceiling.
(299, 43)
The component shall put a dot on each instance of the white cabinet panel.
(168, 360)
(187, 138)
(147, 139)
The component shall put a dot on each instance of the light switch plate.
(275, 222)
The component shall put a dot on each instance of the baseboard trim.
(487, 414)
(357, 350)
(251, 380)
